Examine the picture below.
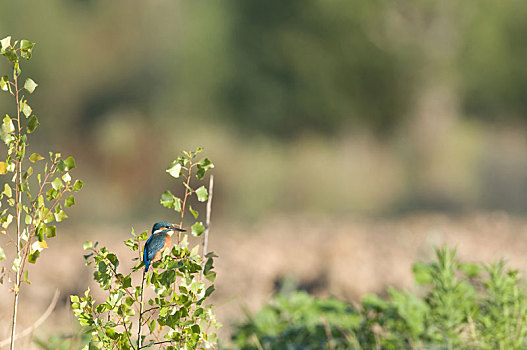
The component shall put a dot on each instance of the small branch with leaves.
(175, 289)
(33, 206)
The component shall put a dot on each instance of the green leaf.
(60, 215)
(26, 109)
(5, 43)
(2, 254)
(70, 163)
(202, 194)
(197, 229)
(51, 231)
(32, 124)
(35, 157)
(209, 291)
(70, 201)
(8, 125)
(3, 168)
(32, 258)
(152, 326)
(26, 45)
(87, 245)
(204, 165)
(167, 199)
(78, 185)
(4, 83)
(6, 220)
(174, 169)
(28, 173)
(57, 184)
(127, 282)
(13, 57)
(177, 204)
(194, 212)
(26, 279)
(7, 191)
(7, 128)
(30, 86)
(66, 178)
(16, 263)
(52, 194)
(26, 49)
(211, 276)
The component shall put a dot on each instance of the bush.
(465, 306)
(168, 308)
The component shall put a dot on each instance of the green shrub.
(167, 307)
(465, 306)
(36, 189)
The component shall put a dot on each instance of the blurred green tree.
(314, 65)
(493, 74)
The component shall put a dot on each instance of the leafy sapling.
(167, 309)
(35, 190)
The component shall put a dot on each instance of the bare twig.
(37, 323)
(207, 222)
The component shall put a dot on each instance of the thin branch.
(156, 343)
(31, 234)
(126, 330)
(207, 222)
(121, 280)
(158, 307)
(187, 192)
(18, 212)
(139, 340)
(38, 322)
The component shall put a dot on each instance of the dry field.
(345, 258)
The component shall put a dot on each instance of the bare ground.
(347, 258)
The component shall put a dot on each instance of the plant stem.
(139, 340)
(18, 199)
(187, 191)
(207, 221)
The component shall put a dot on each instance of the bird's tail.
(147, 265)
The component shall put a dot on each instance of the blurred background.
(349, 137)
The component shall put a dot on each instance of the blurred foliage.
(311, 65)
(492, 60)
(375, 95)
(62, 342)
(466, 306)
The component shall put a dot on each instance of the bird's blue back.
(154, 243)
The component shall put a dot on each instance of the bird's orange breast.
(168, 243)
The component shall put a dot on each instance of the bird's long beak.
(175, 228)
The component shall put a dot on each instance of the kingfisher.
(159, 241)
